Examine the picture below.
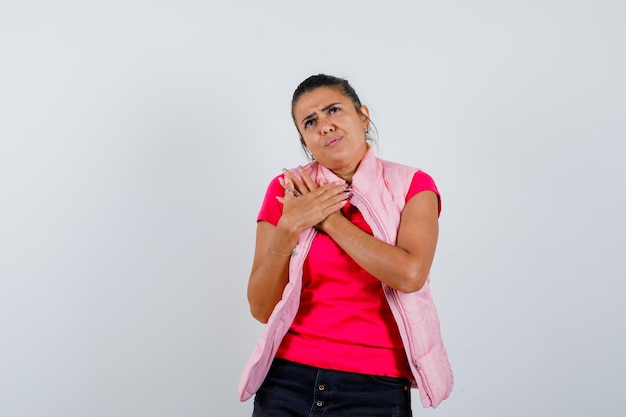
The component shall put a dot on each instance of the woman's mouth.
(333, 141)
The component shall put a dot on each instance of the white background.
(137, 139)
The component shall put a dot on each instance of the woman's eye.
(333, 110)
(308, 123)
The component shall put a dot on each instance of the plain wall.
(137, 139)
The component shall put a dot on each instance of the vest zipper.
(391, 293)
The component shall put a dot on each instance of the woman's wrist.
(283, 255)
(285, 237)
(330, 222)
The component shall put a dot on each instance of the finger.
(335, 204)
(308, 181)
(291, 191)
(341, 197)
(301, 187)
(285, 181)
(332, 190)
(288, 178)
(297, 182)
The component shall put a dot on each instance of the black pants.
(294, 390)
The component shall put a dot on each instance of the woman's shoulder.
(397, 170)
(397, 166)
(416, 173)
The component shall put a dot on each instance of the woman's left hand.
(304, 187)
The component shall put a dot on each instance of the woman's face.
(332, 129)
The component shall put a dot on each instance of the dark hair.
(323, 80)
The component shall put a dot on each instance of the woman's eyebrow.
(330, 106)
(310, 116)
(325, 108)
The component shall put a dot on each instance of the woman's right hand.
(307, 204)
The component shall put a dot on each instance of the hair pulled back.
(323, 80)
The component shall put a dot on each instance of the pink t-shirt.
(344, 321)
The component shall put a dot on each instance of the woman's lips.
(333, 141)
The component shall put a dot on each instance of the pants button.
(320, 403)
(321, 387)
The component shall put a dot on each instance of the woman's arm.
(269, 273)
(270, 268)
(404, 266)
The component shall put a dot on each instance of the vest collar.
(367, 174)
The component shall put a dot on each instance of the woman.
(340, 274)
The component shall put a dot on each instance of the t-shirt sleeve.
(272, 209)
(422, 182)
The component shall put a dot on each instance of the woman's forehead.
(319, 98)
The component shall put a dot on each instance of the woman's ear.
(365, 116)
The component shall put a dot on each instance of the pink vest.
(379, 190)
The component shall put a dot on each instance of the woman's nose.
(326, 126)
